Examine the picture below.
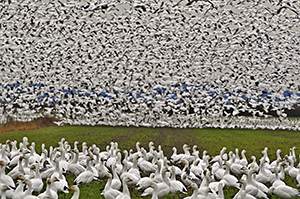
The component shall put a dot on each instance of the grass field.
(212, 140)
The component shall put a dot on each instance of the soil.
(39, 123)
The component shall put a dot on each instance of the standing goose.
(27, 194)
(37, 182)
(163, 187)
(284, 191)
(194, 195)
(87, 176)
(125, 193)
(3, 189)
(109, 192)
(176, 187)
(74, 166)
(5, 179)
(76, 190)
(231, 180)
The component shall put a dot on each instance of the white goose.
(87, 176)
(3, 189)
(241, 194)
(27, 193)
(231, 180)
(5, 179)
(76, 190)
(176, 187)
(74, 166)
(145, 182)
(163, 187)
(125, 193)
(284, 191)
(109, 192)
(37, 182)
(194, 195)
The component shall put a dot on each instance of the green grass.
(212, 140)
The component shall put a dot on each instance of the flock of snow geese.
(151, 63)
(148, 171)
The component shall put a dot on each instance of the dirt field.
(23, 126)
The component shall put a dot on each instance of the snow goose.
(265, 155)
(222, 155)
(27, 193)
(109, 192)
(150, 153)
(278, 158)
(241, 194)
(187, 155)
(252, 186)
(3, 155)
(87, 176)
(196, 169)
(3, 189)
(76, 190)
(155, 190)
(253, 164)
(102, 169)
(194, 195)
(19, 193)
(231, 180)
(175, 158)
(61, 185)
(132, 174)
(6, 179)
(34, 157)
(243, 160)
(163, 187)
(204, 189)
(145, 182)
(144, 165)
(116, 182)
(176, 187)
(18, 169)
(290, 170)
(284, 191)
(74, 166)
(220, 191)
(48, 192)
(264, 174)
(125, 193)
(219, 171)
(277, 181)
(37, 182)
(186, 176)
